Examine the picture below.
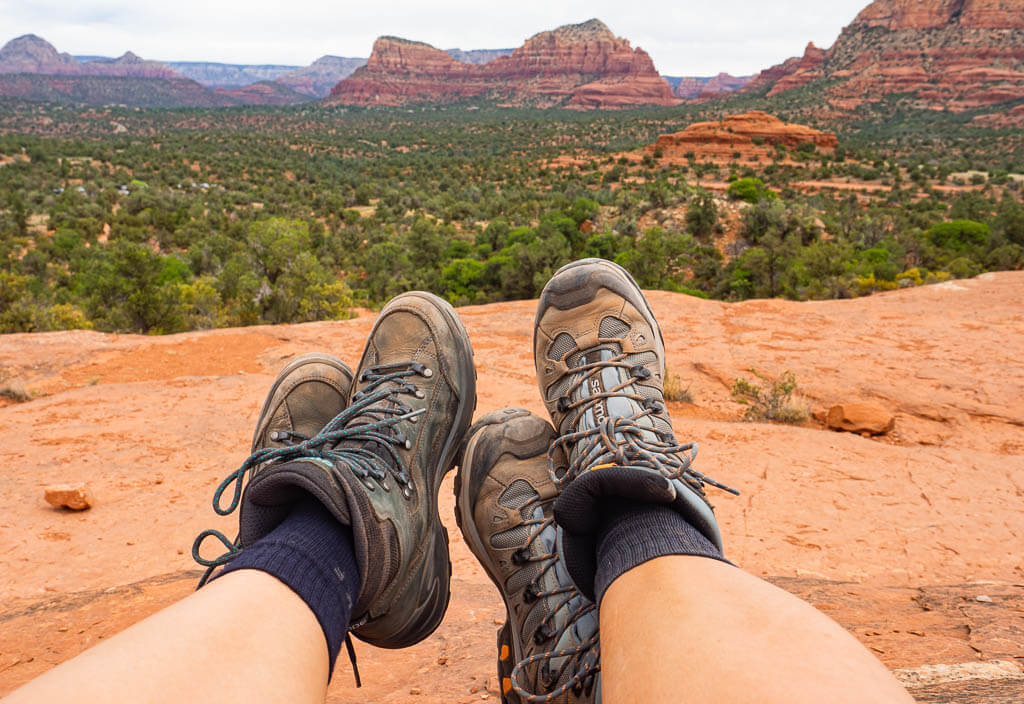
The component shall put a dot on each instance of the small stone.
(414, 690)
(443, 660)
(984, 599)
(866, 417)
(474, 689)
(76, 497)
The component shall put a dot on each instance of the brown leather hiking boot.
(307, 394)
(548, 648)
(378, 464)
(600, 361)
(310, 391)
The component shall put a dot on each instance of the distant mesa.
(753, 133)
(33, 54)
(217, 75)
(705, 88)
(579, 66)
(317, 79)
(477, 57)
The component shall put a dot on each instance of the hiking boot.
(548, 649)
(600, 361)
(378, 464)
(310, 391)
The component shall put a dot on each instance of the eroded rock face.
(582, 66)
(951, 54)
(737, 133)
(932, 14)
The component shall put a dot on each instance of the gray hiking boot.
(548, 650)
(377, 467)
(600, 361)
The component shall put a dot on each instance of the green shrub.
(750, 190)
(958, 235)
(770, 399)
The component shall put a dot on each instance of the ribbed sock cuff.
(634, 533)
(312, 554)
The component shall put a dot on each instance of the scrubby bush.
(770, 399)
(750, 190)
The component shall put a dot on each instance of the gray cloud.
(683, 38)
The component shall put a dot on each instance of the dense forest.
(160, 221)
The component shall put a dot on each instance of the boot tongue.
(600, 382)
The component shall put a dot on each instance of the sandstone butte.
(720, 140)
(952, 54)
(580, 66)
(911, 540)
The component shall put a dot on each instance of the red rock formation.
(705, 88)
(932, 14)
(582, 66)
(723, 84)
(951, 54)
(721, 140)
(32, 54)
(806, 70)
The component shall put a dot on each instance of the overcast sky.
(685, 37)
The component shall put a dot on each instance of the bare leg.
(245, 637)
(684, 628)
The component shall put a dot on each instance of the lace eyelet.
(640, 372)
(530, 596)
(563, 404)
(519, 558)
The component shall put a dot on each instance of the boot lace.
(622, 440)
(581, 660)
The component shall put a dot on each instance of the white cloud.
(683, 38)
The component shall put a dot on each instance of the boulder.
(861, 417)
(76, 497)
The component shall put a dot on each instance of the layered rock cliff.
(753, 133)
(948, 54)
(580, 66)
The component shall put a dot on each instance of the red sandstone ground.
(895, 537)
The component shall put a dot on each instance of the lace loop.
(622, 440)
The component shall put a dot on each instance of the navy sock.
(633, 533)
(311, 553)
